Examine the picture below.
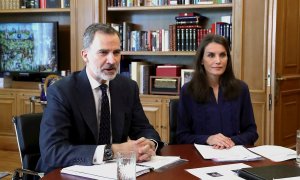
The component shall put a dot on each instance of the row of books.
(9, 4)
(138, 71)
(20, 4)
(176, 38)
(130, 3)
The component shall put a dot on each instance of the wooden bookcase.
(160, 17)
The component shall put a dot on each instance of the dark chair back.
(173, 109)
(27, 128)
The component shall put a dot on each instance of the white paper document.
(222, 172)
(236, 153)
(160, 161)
(102, 171)
(274, 153)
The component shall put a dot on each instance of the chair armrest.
(17, 172)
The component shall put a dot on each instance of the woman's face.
(214, 60)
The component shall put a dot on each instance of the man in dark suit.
(70, 132)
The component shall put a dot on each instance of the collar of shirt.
(94, 83)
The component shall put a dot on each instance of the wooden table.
(188, 152)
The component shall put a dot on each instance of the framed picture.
(186, 75)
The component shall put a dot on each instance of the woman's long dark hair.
(199, 87)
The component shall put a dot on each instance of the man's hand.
(143, 147)
(219, 141)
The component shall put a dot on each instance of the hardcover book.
(188, 14)
(168, 70)
(53, 3)
(269, 172)
(145, 72)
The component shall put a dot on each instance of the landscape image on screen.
(28, 47)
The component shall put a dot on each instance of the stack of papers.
(108, 170)
(236, 153)
(224, 172)
(274, 153)
(158, 162)
(102, 171)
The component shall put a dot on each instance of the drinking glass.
(126, 162)
(298, 146)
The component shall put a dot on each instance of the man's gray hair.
(91, 30)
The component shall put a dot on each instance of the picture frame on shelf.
(186, 75)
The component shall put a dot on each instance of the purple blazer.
(234, 118)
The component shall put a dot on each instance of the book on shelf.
(145, 73)
(119, 28)
(172, 2)
(32, 4)
(127, 28)
(223, 1)
(154, 40)
(190, 18)
(53, 3)
(10, 4)
(188, 37)
(204, 2)
(168, 70)
(64, 3)
(188, 14)
(188, 26)
(138, 40)
(136, 3)
(42, 4)
(222, 28)
(172, 37)
(135, 70)
(129, 3)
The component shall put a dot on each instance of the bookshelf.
(160, 17)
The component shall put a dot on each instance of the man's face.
(103, 56)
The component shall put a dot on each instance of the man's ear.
(84, 54)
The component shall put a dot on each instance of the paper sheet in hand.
(102, 171)
(224, 172)
(236, 153)
(160, 161)
(274, 153)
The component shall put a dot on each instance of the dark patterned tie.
(104, 132)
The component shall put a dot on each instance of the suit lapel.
(85, 100)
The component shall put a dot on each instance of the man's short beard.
(100, 75)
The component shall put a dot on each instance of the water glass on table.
(298, 146)
(126, 164)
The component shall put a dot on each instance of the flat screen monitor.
(29, 48)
